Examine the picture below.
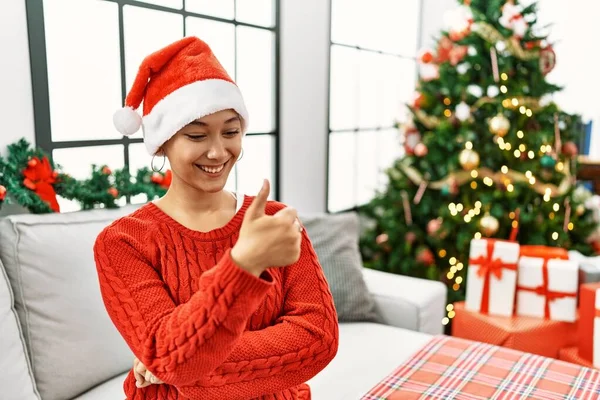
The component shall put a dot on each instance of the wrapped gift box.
(532, 335)
(589, 323)
(589, 267)
(492, 276)
(547, 284)
(571, 354)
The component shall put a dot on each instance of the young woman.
(218, 295)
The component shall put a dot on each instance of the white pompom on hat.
(178, 84)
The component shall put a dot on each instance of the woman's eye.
(196, 137)
(232, 133)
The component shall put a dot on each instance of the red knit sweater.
(204, 326)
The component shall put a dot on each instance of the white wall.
(304, 109)
(575, 31)
(16, 104)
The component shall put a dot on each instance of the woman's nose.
(217, 150)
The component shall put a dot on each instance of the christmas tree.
(488, 152)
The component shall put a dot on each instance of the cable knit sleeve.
(295, 348)
(178, 343)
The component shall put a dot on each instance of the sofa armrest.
(406, 302)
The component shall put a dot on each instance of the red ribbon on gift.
(544, 291)
(488, 266)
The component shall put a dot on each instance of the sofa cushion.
(72, 343)
(367, 353)
(16, 379)
(335, 239)
(111, 389)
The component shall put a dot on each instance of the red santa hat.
(178, 84)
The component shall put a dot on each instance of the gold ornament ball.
(499, 125)
(580, 210)
(468, 159)
(489, 225)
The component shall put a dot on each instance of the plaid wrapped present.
(452, 368)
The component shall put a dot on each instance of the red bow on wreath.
(39, 178)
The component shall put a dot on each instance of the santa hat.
(178, 84)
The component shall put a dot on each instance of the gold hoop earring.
(241, 155)
(162, 165)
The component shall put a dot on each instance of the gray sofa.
(57, 342)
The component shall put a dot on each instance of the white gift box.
(492, 269)
(547, 294)
(596, 360)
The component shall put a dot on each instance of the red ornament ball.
(434, 226)
(2, 192)
(426, 57)
(547, 60)
(421, 150)
(106, 170)
(418, 99)
(410, 237)
(381, 239)
(425, 256)
(570, 149)
(113, 192)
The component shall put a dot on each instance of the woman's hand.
(143, 377)
(267, 240)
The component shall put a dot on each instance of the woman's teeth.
(212, 170)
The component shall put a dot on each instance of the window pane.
(343, 100)
(220, 8)
(397, 24)
(370, 82)
(342, 171)
(176, 4)
(257, 12)
(367, 166)
(142, 37)
(256, 76)
(220, 36)
(369, 21)
(77, 161)
(385, 25)
(345, 22)
(388, 151)
(256, 164)
(406, 81)
(396, 89)
(85, 74)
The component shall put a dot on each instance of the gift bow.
(543, 290)
(489, 265)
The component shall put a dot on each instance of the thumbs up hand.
(267, 240)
